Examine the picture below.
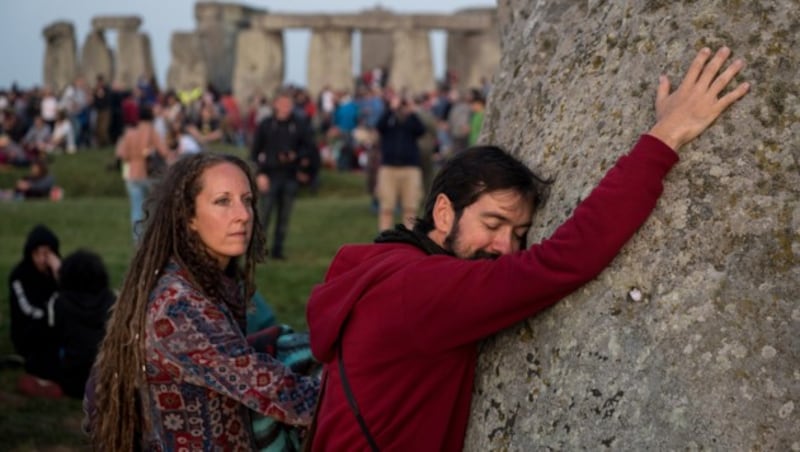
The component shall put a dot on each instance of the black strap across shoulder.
(348, 392)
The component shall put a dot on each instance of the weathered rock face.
(330, 60)
(376, 46)
(96, 57)
(218, 25)
(259, 64)
(187, 69)
(474, 55)
(60, 58)
(708, 357)
(134, 58)
(412, 63)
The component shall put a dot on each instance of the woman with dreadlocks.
(175, 370)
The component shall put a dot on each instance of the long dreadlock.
(119, 367)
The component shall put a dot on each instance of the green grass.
(94, 215)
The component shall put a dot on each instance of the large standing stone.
(330, 60)
(60, 58)
(474, 55)
(259, 64)
(412, 63)
(689, 340)
(376, 45)
(134, 58)
(96, 57)
(218, 25)
(187, 69)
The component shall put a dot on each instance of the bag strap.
(348, 392)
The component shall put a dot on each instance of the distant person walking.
(280, 144)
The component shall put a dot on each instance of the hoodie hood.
(40, 235)
(354, 270)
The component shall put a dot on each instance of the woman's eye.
(222, 201)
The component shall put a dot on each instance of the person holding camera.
(400, 172)
(281, 144)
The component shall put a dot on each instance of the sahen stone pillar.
(134, 58)
(259, 64)
(187, 69)
(60, 58)
(96, 58)
(412, 62)
(218, 25)
(330, 60)
(689, 339)
(376, 50)
(474, 55)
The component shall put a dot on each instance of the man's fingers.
(697, 66)
(663, 89)
(725, 78)
(712, 68)
(733, 96)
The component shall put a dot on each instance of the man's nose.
(503, 244)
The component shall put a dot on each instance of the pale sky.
(22, 44)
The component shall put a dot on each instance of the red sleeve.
(452, 302)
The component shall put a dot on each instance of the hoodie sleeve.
(451, 302)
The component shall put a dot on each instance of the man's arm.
(453, 302)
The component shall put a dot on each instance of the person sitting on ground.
(38, 184)
(175, 368)
(397, 323)
(36, 140)
(208, 128)
(79, 315)
(32, 284)
(63, 137)
(11, 153)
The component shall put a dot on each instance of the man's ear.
(443, 214)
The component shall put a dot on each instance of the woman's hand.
(686, 113)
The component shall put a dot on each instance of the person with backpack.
(281, 143)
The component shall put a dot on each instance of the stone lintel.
(127, 23)
(59, 28)
(372, 22)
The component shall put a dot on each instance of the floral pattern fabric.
(202, 376)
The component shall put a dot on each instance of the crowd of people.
(176, 369)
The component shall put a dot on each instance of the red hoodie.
(413, 320)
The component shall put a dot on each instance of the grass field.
(94, 215)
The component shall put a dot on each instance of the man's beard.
(452, 239)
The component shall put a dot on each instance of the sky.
(22, 45)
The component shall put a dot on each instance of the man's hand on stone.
(693, 107)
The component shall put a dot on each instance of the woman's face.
(224, 212)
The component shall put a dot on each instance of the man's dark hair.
(478, 170)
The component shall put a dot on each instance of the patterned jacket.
(203, 377)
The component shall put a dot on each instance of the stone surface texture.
(689, 340)
(218, 25)
(412, 63)
(96, 58)
(187, 69)
(259, 64)
(473, 55)
(61, 55)
(330, 61)
(134, 58)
